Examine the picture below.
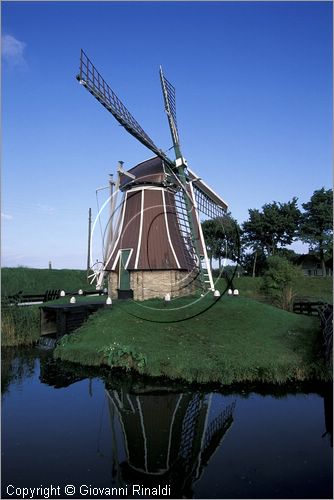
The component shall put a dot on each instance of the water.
(46, 342)
(64, 427)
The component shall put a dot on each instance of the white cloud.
(6, 216)
(13, 50)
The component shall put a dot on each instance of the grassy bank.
(313, 288)
(35, 281)
(228, 341)
(316, 288)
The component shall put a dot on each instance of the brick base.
(151, 284)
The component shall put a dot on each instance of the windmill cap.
(150, 171)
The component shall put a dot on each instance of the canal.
(113, 436)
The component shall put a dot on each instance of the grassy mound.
(227, 341)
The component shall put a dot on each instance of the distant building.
(311, 265)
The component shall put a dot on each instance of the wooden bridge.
(60, 319)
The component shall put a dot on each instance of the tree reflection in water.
(17, 364)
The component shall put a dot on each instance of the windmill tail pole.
(89, 235)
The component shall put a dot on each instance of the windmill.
(154, 242)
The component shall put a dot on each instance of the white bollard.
(229, 292)
(236, 292)
(109, 301)
(167, 297)
(72, 300)
(216, 293)
(62, 293)
(80, 292)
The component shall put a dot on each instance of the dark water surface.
(96, 432)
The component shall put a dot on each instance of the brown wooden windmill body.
(149, 252)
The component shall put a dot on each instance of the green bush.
(280, 282)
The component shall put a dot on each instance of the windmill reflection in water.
(168, 438)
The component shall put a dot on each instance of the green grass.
(80, 299)
(316, 288)
(37, 281)
(248, 287)
(235, 340)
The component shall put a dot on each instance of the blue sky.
(254, 104)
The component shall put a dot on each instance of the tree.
(276, 225)
(253, 263)
(317, 223)
(210, 228)
(279, 281)
(289, 254)
(222, 238)
(228, 239)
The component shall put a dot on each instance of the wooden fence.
(326, 321)
(310, 307)
(48, 295)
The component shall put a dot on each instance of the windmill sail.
(208, 202)
(92, 80)
(191, 229)
(168, 91)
